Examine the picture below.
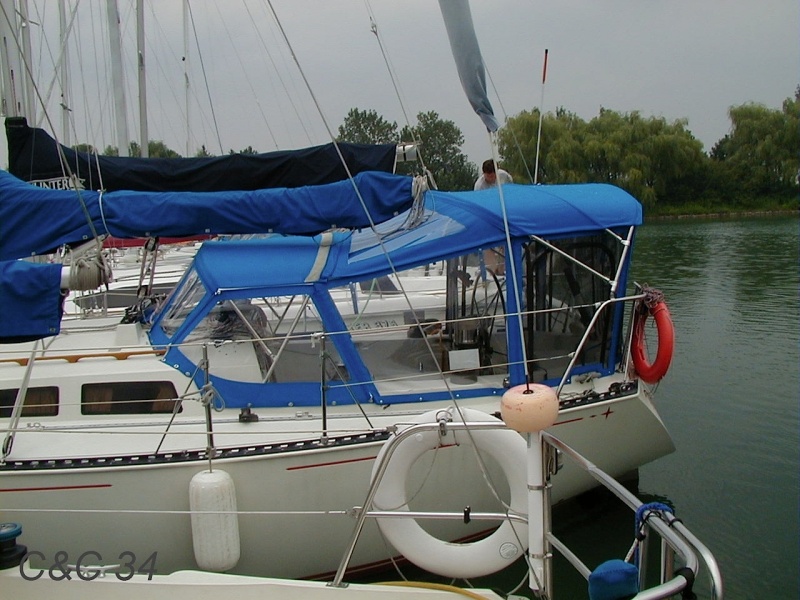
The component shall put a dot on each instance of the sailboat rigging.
(248, 403)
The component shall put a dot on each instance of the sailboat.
(296, 414)
(217, 429)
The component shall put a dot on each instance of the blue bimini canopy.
(450, 224)
(453, 223)
(35, 220)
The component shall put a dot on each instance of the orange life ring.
(655, 371)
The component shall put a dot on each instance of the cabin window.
(39, 402)
(128, 398)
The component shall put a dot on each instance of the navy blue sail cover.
(30, 301)
(35, 220)
(33, 155)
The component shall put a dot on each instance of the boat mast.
(143, 136)
(17, 98)
(118, 81)
(25, 36)
(186, 68)
(64, 77)
(10, 62)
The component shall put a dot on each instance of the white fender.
(475, 559)
(215, 525)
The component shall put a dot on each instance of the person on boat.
(493, 258)
(490, 176)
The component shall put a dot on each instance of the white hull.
(143, 506)
(213, 586)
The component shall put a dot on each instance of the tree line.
(660, 162)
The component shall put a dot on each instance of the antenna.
(539, 135)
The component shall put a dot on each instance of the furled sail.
(35, 220)
(467, 54)
(33, 155)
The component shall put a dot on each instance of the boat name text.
(61, 570)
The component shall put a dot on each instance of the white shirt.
(502, 176)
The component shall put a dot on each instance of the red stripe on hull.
(59, 488)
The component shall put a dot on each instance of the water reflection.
(731, 397)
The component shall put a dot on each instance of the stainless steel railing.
(677, 540)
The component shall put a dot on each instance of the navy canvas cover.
(33, 155)
(30, 301)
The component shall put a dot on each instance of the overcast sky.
(672, 58)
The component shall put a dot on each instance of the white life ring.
(475, 559)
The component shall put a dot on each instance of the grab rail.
(585, 338)
(672, 532)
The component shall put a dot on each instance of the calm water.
(731, 397)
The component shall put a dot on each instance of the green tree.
(249, 150)
(759, 156)
(657, 161)
(561, 152)
(202, 152)
(440, 144)
(156, 149)
(367, 127)
(87, 148)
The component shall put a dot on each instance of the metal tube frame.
(672, 531)
(676, 538)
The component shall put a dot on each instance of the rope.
(395, 83)
(16, 412)
(301, 119)
(205, 79)
(436, 586)
(248, 76)
(645, 511)
(88, 274)
(509, 129)
(102, 212)
(652, 296)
